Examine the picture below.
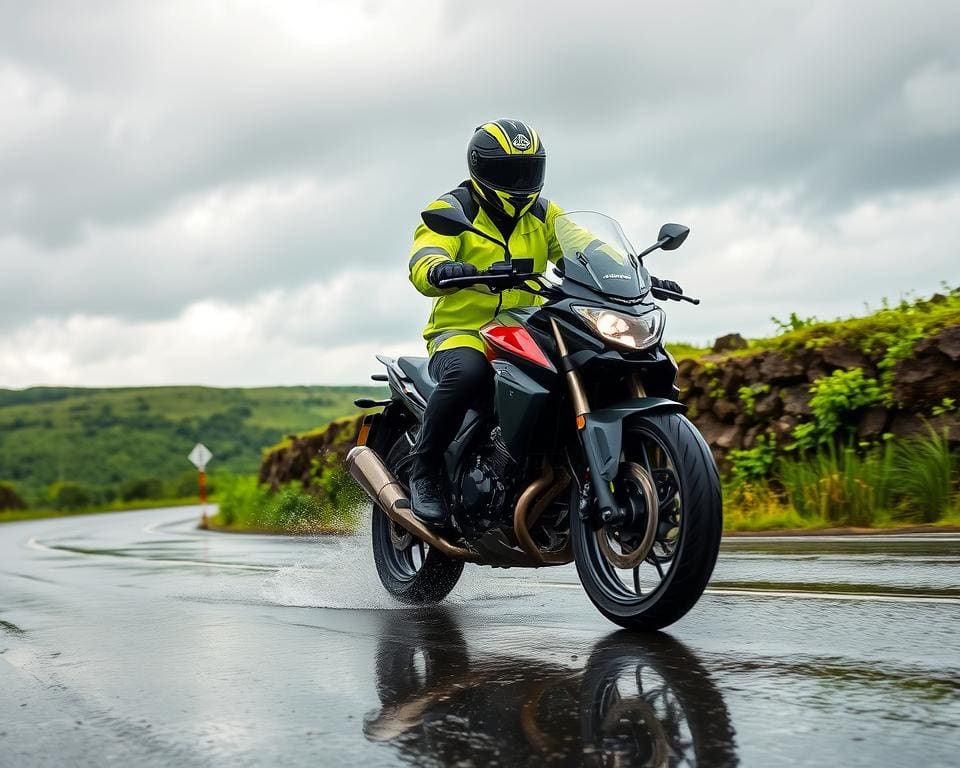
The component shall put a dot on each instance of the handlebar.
(495, 281)
(504, 280)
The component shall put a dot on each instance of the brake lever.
(663, 293)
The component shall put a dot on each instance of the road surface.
(134, 639)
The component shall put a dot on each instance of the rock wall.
(780, 384)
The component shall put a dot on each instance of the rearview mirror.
(452, 222)
(672, 236)
(447, 221)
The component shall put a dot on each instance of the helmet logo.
(521, 141)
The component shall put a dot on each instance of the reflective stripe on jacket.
(458, 315)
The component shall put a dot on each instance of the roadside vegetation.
(892, 483)
(822, 475)
(73, 451)
(246, 505)
(68, 450)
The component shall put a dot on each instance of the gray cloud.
(155, 156)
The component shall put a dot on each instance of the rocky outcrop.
(735, 398)
(932, 372)
(301, 458)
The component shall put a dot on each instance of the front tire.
(680, 561)
(410, 570)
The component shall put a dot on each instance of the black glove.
(447, 269)
(664, 285)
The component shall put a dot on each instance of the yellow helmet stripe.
(536, 140)
(505, 202)
(498, 133)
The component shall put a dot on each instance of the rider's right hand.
(447, 269)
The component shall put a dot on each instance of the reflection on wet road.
(135, 639)
(632, 703)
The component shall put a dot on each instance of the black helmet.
(507, 164)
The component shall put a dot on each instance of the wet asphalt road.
(133, 639)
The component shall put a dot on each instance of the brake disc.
(624, 556)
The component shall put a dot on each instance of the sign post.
(199, 457)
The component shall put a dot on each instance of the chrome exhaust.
(384, 490)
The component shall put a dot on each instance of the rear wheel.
(648, 566)
(409, 568)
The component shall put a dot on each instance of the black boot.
(426, 493)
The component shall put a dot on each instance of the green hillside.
(107, 439)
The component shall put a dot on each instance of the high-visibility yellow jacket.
(457, 315)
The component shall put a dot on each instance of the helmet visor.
(515, 174)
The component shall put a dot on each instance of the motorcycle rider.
(507, 162)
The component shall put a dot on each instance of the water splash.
(344, 576)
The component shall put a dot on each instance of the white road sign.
(199, 456)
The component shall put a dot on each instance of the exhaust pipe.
(386, 492)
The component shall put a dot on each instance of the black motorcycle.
(584, 455)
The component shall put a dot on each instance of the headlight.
(635, 332)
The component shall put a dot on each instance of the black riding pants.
(463, 378)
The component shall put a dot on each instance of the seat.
(416, 369)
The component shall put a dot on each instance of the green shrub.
(833, 399)
(753, 464)
(241, 500)
(244, 503)
(144, 488)
(68, 495)
(923, 474)
(292, 508)
(947, 405)
(793, 323)
(9, 498)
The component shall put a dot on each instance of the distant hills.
(105, 438)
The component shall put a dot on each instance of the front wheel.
(648, 566)
(410, 569)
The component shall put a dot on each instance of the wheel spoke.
(636, 580)
(656, 563)
(423, 555)
(646, 457)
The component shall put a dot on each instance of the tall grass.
(244, 504)
(839, 485)
(923, 474)
(907, 480)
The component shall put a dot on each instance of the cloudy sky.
(223, 192)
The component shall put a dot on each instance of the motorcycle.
(583, 456)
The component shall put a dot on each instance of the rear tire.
(410, 570)
(687, 560)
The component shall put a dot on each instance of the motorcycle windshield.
(598, 255)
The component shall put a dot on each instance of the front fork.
(601, 472)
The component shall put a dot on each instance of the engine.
(483, 486)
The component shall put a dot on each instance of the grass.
(895, 483)
(924, 472)
(245, 505)
(683, 351)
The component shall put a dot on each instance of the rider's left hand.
(666, 285)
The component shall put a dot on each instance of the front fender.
(603, 431)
